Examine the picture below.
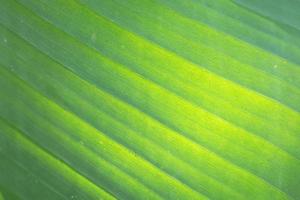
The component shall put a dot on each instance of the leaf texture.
(149, 99)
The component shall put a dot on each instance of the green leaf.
(149, 99)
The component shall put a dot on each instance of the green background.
(149, 99)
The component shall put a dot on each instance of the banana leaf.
(149, 99)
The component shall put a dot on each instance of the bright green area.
(148, 100)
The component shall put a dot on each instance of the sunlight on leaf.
(149, 99)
